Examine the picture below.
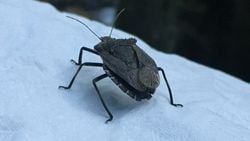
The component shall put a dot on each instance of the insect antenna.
(85, 26)
(117, 16)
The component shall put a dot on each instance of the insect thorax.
(107, 43)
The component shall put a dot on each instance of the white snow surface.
(36, 44)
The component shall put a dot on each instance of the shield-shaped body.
(129, 67)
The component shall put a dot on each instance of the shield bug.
(128, 66)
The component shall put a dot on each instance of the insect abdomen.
(125, 87)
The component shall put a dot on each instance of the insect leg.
(169, 90)
(98, 92)
(80, 55)
(78, 70)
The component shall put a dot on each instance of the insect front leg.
(78, 70)
(80, 55)
(98, 92)
(169, 90)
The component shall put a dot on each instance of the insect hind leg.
(95, 80)
(80, 55)
(169, 90)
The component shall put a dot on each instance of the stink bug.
(128, 66)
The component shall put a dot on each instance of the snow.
(37, 43)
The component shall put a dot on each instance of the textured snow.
(36, 44)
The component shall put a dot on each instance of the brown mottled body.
(129, 67)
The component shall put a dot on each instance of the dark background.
(211, 32)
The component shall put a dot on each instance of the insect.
(128, 66)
